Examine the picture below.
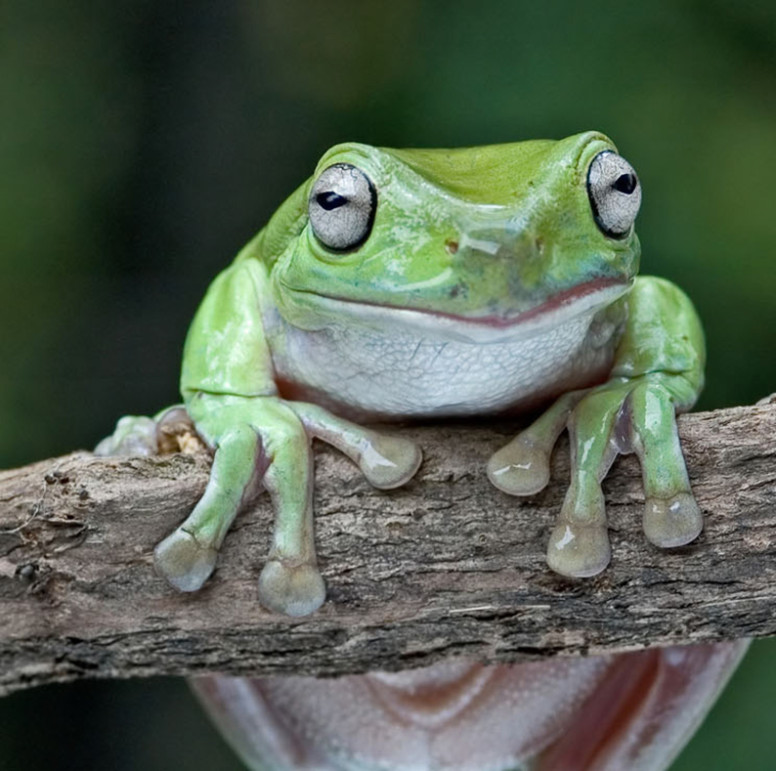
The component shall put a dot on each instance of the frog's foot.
(628, 415)
(187, 557)
(133, 435)
(672, 521)
(296, 590)
(183, 561)
(171, 430)
(579, 543)
(671, 515)
(522, 467)
(386, 461)
(267, 440)
(290, 582)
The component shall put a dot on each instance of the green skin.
(471, 247)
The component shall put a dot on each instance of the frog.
(421, 284)
(398, 285)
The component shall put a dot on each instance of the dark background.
(142, 142)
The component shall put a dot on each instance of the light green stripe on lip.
(586, 298)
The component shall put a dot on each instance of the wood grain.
(445, 566)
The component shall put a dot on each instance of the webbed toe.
(673, 521)
(520, 468)
(295, 590)
(578, 551)
(133, 435)
(184, 561)
(389, 461)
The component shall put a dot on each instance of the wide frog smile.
(585, 298)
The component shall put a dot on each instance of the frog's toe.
(389, 461)
(520, 468)
(578, 551)
(673, 521)
(134, 435)
(386, 461)
(184, 561)
(295, 590)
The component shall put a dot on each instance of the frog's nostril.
(451, 246)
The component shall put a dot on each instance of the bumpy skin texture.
(425, 283)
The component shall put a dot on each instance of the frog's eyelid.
(341, 207)
(614, 192)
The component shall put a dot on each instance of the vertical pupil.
(330, 200)
(625, 183)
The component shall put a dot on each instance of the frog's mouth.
(581, 300)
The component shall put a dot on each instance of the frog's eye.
(614, 192)
(342, 207)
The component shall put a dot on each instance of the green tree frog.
(430, 283)
(399, 284)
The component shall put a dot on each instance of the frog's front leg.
(658, 370)
(259, 439)
(267, 441)
(290, 582)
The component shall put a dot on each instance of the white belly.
(394, 372)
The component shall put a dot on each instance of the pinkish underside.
(606, 713)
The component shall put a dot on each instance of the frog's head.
(479, 244)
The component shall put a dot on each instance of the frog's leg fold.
(187, 556)
(386, 461)
(522, 467)
(671, 515)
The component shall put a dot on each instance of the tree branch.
(446, 565)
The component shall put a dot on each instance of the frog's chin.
(584, 299)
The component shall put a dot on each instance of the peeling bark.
(447, 565)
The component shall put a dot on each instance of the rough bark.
(445, 566)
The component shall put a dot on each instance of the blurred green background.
(142, 142)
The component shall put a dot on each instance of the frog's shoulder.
(283, 228)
